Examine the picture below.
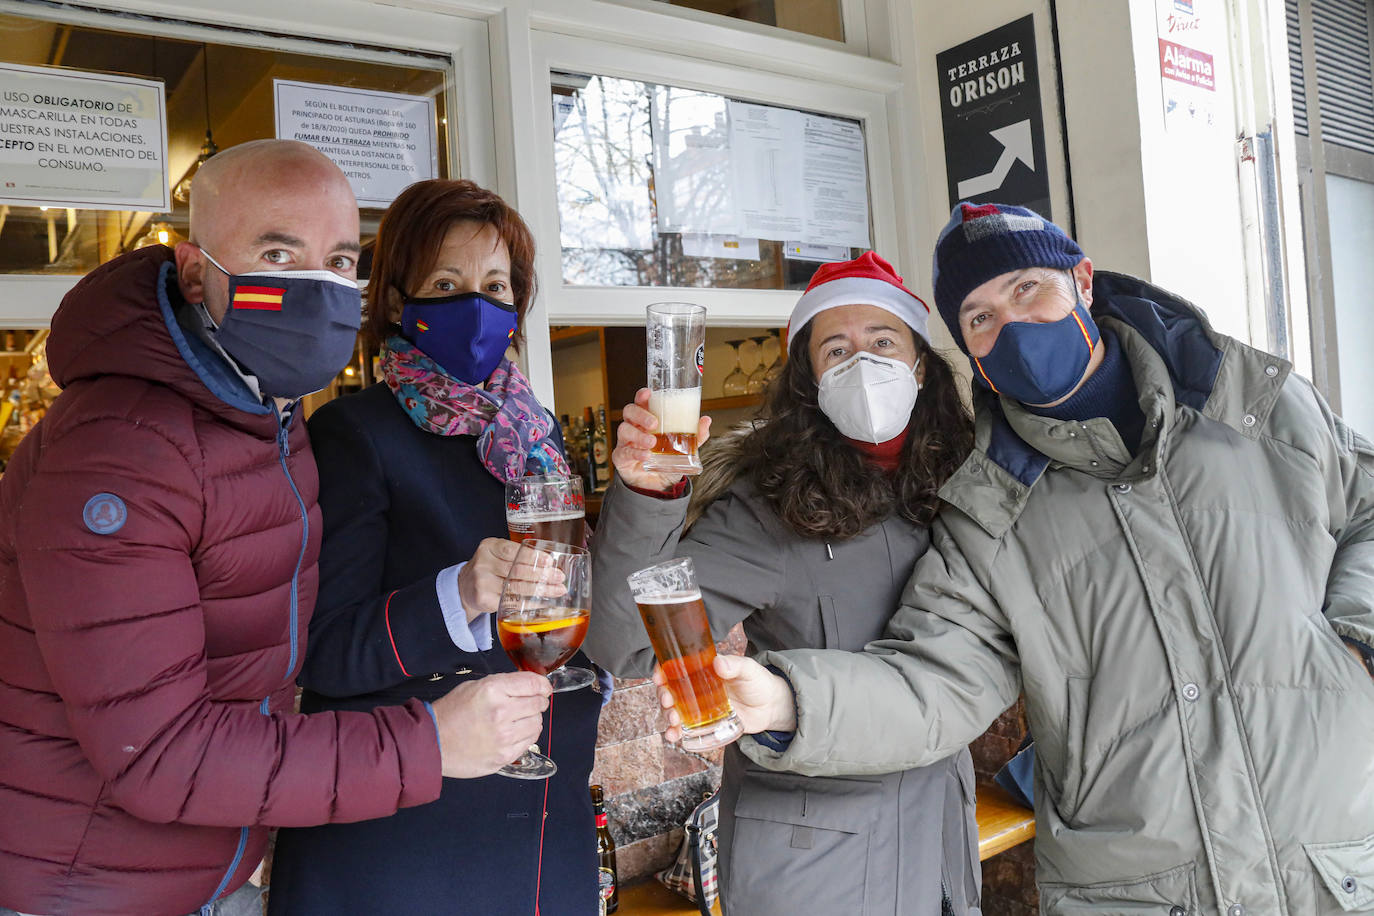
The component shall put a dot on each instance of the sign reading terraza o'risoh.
(990, 109)
(74, 139)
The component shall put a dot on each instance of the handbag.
(693, 872)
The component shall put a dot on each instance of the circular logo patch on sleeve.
(105, 513)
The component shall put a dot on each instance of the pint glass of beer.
(670, 605)
(547, 507)
(675, 335)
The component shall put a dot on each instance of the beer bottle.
(601, 449)
(605, 852)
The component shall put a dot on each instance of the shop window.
(660, 185)
(216, 95)
(26, 388)
(601, 368)
(822, 18)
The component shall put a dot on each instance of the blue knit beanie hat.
(982, 241)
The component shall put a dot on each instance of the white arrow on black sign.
(1017, 143)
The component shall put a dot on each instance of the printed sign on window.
(87, 140)
(383, 141)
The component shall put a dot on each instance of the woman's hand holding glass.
(480, 581)
(762, 700)
(635, 438)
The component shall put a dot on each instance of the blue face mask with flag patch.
(466, 333)
(293, 330)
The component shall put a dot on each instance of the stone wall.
(651, 786)
(1008, 878)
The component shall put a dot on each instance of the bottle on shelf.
(569, 447)
(608, 879)
(589, 449)
(601, 450)
(572, 443)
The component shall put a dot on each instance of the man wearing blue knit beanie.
(1165, 541)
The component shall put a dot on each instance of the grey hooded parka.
(789, 844)
(1175, 618)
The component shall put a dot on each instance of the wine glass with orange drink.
(541, 621)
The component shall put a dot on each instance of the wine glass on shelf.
(736, 383)
(758, 379)
(775, 367)
(541, 621)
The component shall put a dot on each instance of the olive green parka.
(1205, 742)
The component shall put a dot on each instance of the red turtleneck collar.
(886, 455)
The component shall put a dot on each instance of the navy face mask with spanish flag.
(466, 333)
(293, 330)
(1038, 363)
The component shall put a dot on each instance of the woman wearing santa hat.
(805, 527)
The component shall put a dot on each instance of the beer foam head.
(665, 583)
(678, 409)
(681, 597)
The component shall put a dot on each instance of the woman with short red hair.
(412, 489)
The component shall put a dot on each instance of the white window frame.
(29, 301)
(853, 17)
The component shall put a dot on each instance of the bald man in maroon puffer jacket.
(158, 542)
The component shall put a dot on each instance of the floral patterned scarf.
(514, 432)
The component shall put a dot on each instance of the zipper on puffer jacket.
(283, 452)
(233, 867)
(205, 910)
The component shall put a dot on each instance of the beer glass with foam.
(670, 605)
(675, 337)
(547, 507)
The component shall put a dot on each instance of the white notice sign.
(73, 139)
(799, 176)
(383, 141)
(766, 153)
(835, 181)
(693, 179)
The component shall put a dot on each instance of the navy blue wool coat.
(400, 504)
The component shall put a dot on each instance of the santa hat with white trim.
(866, 280)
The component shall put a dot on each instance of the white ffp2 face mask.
(869, 397)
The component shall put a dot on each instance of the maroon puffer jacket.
(150, 637)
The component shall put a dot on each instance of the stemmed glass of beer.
(670, 605)
(547, 507)
(675, 338)
(541, 621)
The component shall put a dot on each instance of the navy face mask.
(466, 333)
(1039, 363)
(291, 329)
